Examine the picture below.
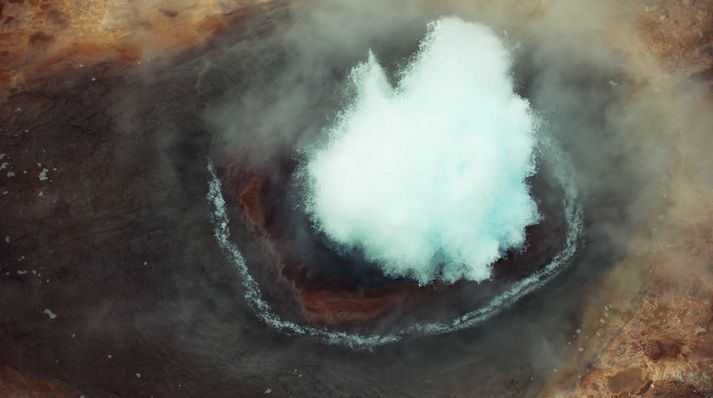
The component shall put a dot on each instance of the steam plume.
(428, 178)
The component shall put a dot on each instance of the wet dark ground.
(118, 244)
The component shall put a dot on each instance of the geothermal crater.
(119, 279)
(423, 202)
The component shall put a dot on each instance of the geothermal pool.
(423, 184)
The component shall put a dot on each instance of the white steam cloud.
(428, 178)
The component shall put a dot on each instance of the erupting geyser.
(429, 178)
(432, 177)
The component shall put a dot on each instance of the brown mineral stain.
(627, 381)
(337, 308)
(17, 385)
(250, 198)
(41, 38)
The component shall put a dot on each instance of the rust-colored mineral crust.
(40, 38)
(17, 385)
(322, 302)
